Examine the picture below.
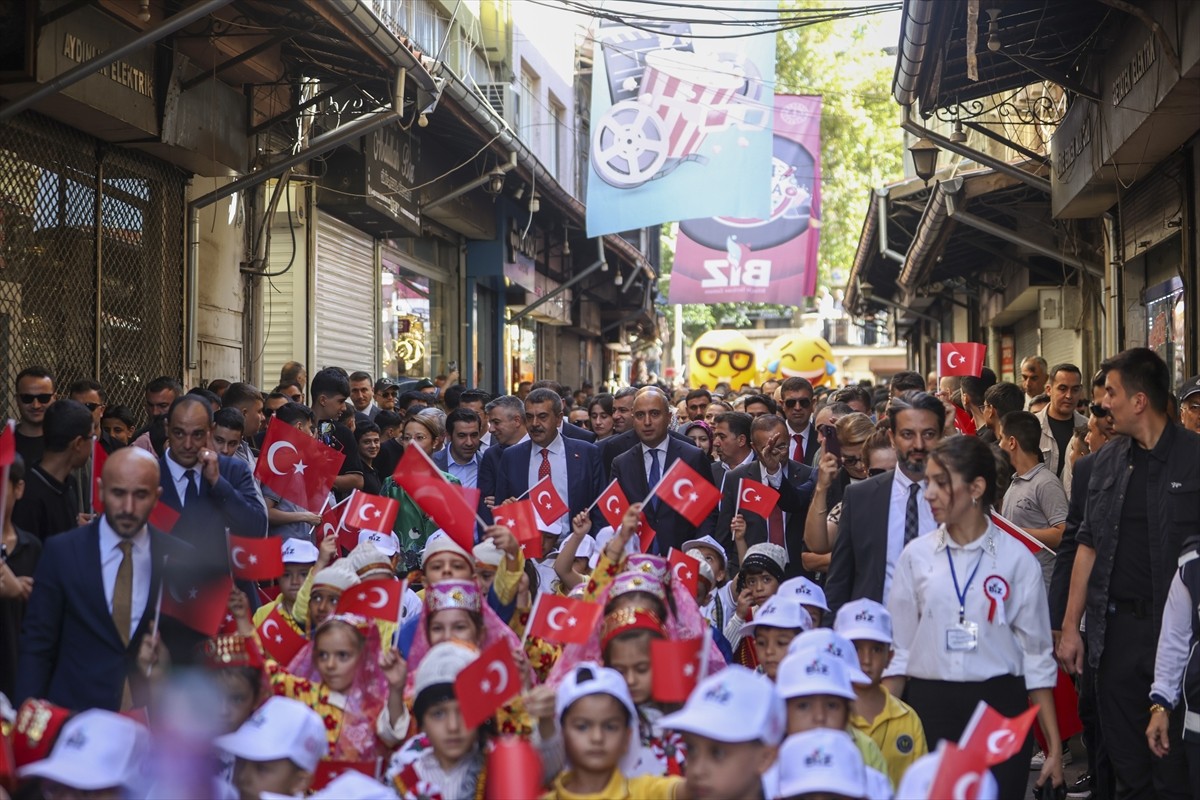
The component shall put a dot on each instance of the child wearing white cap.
(299, 557)
(719, 604)
(776, 623)
(821, 764)
(599, 731)
(98, 754)
(277, 749)
(732, 724)
(759, 579)
(889, 721)
(811, 596)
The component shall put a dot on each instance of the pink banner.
(728, 260)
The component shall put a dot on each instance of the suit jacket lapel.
(641, 484)
(92, 582)
(167, 482)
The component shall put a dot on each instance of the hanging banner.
(680, 120)
(771, 259)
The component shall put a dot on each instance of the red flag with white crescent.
(519, 517)
(256, 559)
(688, 492)
(960, 773)
(376, 599)
(546, 500)
(613, 504)
(564, 619)
(685, 569)
(486, 684)
(297, 467)
(446, 504)
(365, 512)
(757, 497)
(960, 358)
(996, 737)
(279, 638)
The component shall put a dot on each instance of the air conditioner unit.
(501, 98)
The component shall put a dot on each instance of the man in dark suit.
(882, 514)
(211, 492)
(797, 402)
(623, 427)
(506, 423)
(94, 596)
(640, 467)
(573, 466)
(565, 428)
(769, 437)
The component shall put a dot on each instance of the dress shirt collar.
(988, 540)
(792, 432)
(556, 447)
(660, 447)
(109, 539)
(903, 481)
(177, 470)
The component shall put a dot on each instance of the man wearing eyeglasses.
(797, 395)
(1189, 404)
(1059, 419)
(35, 393)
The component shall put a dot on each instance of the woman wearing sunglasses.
(842, 464)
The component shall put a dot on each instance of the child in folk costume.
(758, 580)
(445, 761)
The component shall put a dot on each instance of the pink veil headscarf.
(367, 696)
(494, 630)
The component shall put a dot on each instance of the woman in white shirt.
(970, 616)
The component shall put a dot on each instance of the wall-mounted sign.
(391, 170)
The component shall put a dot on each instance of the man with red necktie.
(797, 402)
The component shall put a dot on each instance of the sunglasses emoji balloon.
(722, 356)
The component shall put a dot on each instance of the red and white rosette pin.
(996, 589)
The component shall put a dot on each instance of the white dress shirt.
(179, 476)
(110, 561)
(661, 448)
(558, 476)
(897, 510)
(924, 606)
(792, 433)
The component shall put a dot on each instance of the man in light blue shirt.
(461, 455)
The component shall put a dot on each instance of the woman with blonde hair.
(841, 465)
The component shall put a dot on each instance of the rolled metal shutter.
(346, 305)
(1026, 334)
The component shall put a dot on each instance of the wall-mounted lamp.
(958, 136)
(495, 183)
(535, 203)
(993, 42)
(924, 156)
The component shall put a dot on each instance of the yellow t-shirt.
(898, 732)
(643, 787)
(871, 755)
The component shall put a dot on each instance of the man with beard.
(882, 514)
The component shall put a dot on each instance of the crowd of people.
(878, 565)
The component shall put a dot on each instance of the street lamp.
(924, 156)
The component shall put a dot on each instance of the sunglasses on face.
(93, 406)
(28, 399)
(803, 402)
(1098, 410)
(851, 461)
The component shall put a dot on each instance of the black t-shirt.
(1132, 571)
(340, 438)
(47, 507)
(31, 448)
(22, 560)
(1062, 430)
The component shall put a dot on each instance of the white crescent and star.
(274, 449)
(556, 612)
(613, 503)
(233, 556)
(998, 740)
(382, 594)
(542, 503)
(364, 508)
(496, 668)
(964, 785)
(686, 576)
(950, 362)
(680, 483)
(266, 630)
(747, 497)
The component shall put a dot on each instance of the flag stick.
(661, 481)
(157, 612)
(400, 611)
(706, 641)
(737, 506)
(532, 616)
(325, 508)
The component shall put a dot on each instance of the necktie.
(911, 516)
(122, 602)
(798, 453)
(655, 477)
(191, 492)
(544, 469)
(775, 527)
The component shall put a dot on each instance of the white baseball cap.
(339, 575)
(96, 749)
(809, 593)
(440, 542)
(587, 547)
(879, 785)
(734, 705)
(602, 537)
(588, 678)
(385, 542)
(864, 619)
(706, 570)
(834, 643)
(711, 544)
(280, 728)
(779, 612)
(918, 779)
(299, 551)
(353, 785)
(812, 672)
(487, 554)
(821, 761)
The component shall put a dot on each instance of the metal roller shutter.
(1026, 334)
(345, 298)
(1061, 345)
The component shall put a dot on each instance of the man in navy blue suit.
(640, 467)
(572, 465)
(211, 492)
(506, 422)
(94, 594)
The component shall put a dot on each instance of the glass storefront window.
(1165, 332)
(415, 318)
(522, 351)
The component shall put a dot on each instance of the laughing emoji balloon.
(721, 355)
(810, 357)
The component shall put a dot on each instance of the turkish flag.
(256, 559)
(564, 619)
(199, 606)
(377, 599)
(676, 667)
(514, 770)
(960, 358)
(519, 517)
(645, 533)
(960, 773)
(688, 492)
(686, 570)
(486, 684)
(366, 512)
(757, 497)
(445, 503)
(331, 521)
(8, 444)
(550, 507)
(1066, 709)
(995, 737)
(163, 517)
(328, 771)
(297, 467)
(99, 456)
(613, 504)
(1006, 525)
(279, 638)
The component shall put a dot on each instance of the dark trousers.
(1093, 738)
(1192, 751)
(1123, 703)
(945, 707)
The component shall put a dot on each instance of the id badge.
(962, 637)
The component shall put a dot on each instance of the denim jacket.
(1173, 505)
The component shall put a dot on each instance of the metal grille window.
(91, 261)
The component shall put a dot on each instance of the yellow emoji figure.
(810, 357)
(721, 355)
